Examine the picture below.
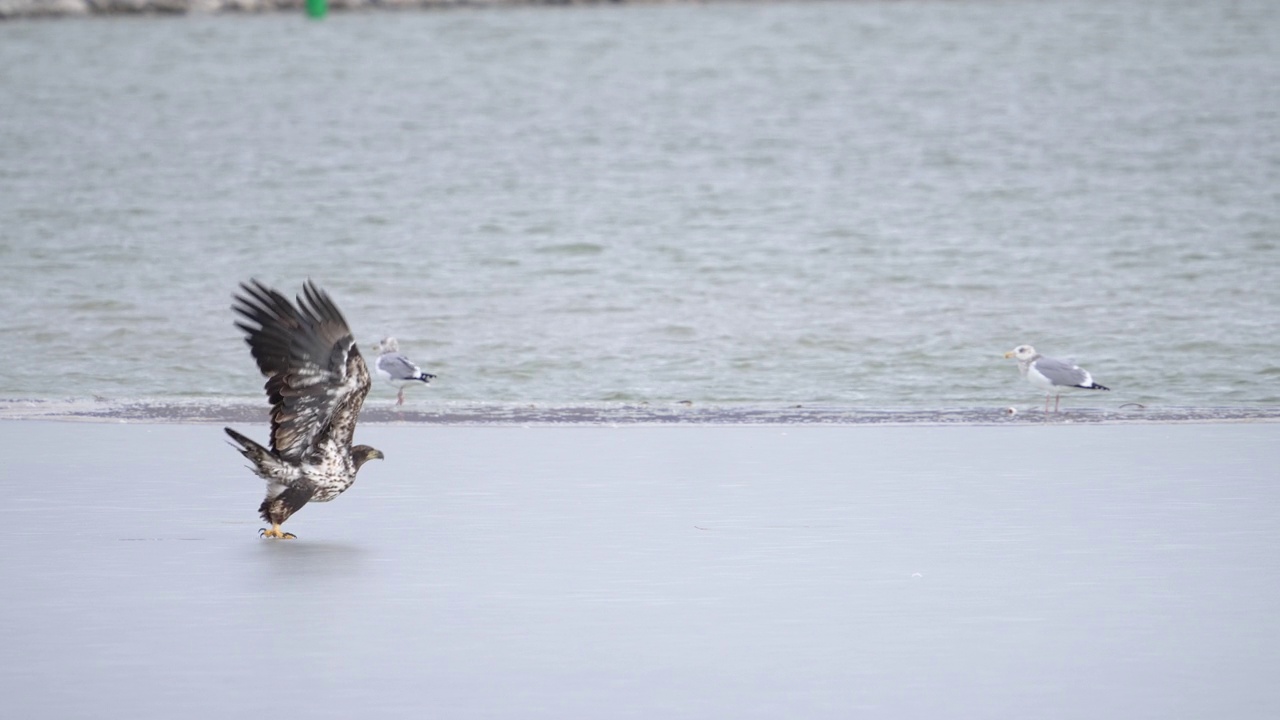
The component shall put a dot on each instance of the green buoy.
(317, 8)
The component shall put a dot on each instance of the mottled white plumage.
(316, 383)
(1051, 374)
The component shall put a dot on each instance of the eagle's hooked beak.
(362, 454)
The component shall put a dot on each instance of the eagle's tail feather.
(253, 452)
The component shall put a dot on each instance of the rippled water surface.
(860, 203)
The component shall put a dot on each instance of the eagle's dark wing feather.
(316, 379)
(277, 509)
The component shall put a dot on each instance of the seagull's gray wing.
(398, 367)
(1061, 372)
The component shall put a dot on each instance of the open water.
(859, 203)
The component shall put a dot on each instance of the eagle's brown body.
(316, 383)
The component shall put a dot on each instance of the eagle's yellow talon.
(276, 532)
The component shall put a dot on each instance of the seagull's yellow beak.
(1008, 354)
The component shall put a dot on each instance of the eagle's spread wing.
(316, 379)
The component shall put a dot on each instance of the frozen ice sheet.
(1047, 571)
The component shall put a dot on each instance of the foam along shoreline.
(672, 413)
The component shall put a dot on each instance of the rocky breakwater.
(10, 9)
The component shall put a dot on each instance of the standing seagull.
(316, 382)
(398, 369)
(1051, 374)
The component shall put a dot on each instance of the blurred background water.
(861, 203)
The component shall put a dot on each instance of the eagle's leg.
(276, 532)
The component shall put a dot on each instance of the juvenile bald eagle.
(316, 382)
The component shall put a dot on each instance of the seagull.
(1051, 374)
(398, 369)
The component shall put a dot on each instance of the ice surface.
(1046, 571)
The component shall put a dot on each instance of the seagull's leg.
(1057, 399)
(400, 397)
(276, 532)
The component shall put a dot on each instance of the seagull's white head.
(388, 344)
(1022, 352)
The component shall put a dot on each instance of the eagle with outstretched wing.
(316, 382)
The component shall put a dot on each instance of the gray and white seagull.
(1051, 374)
(398, 369)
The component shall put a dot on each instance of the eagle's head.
(361, 454)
